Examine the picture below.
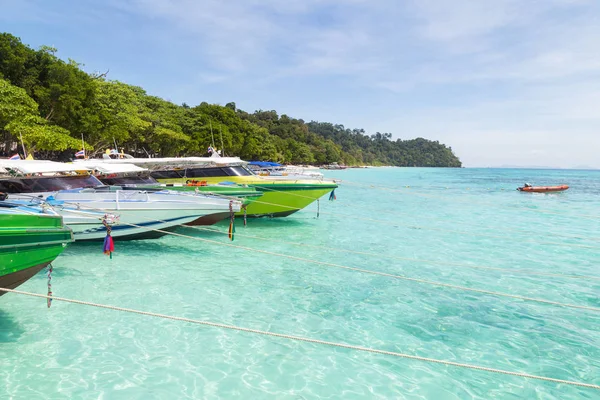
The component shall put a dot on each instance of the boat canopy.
(173, 162)
(264, 164)
(24, 167)
(103, 168)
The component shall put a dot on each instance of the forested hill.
(51, 103)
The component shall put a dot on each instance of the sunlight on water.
(456, 218)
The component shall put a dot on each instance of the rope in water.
(365, 271)
(452, 231)
(429, 228)
(354, 216)
(465, 224)
(326, 248)
(506, 270)
(313, 341)
(381, 255)
(381, 187)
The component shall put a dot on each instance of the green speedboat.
(30, 239)
(244, 193)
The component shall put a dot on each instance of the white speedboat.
(272, 169)
(88, 207)
(135, 214)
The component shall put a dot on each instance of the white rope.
(353, 216)
(504, 229)
(313, 341)
(445, 263)
(387, 222)
(366, 271)
(453, 231)
(428, 228)
(417, 260)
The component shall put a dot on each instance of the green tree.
(52, 102)
(19, 117)
(119, 114)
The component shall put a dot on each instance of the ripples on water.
(465, 217)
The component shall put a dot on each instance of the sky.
(503, 82)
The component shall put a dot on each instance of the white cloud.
(502, 71)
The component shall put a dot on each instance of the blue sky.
(504, 82)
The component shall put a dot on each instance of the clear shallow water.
(468, 217)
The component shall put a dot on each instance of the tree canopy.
(51, 103)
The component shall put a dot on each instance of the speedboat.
(132, 177)
(334, 166)
(543, 189)
(135, 214)
(89, 207)
(30, 239)
(268, 168)
(282, 196)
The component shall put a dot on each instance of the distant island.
(51, 106)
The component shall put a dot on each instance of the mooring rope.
(387, 222)
(417, 260)
(311, 340)
(365, 271)
(507, 270)
(354, 216)
(445, 263)
(503, 229)
(452, 231)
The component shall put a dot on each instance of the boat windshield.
(206, 172)
(129, 180)
(47, 184)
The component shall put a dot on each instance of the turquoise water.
(459, 219)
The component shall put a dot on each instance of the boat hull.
(210, 219)
(15, 279)
(280, 197)
(131, 224)
(284, 200)
(544, 189)
(140, 215)
(28, 243)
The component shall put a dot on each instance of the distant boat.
(267, 168)
(334, 166)
(543, 189)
